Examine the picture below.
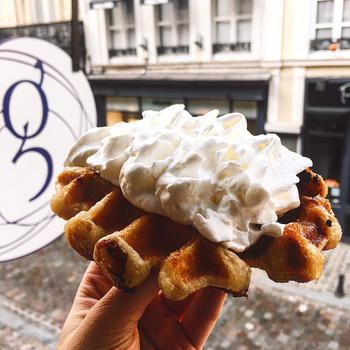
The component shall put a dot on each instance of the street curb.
(323, 297)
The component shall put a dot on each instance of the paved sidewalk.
(36, 293)
(44, 282)
(25, 329)
(273, 320)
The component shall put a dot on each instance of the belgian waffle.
(128, 243)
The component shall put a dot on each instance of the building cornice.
(217, 67)
(190, 76)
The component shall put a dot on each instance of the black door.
(326, 140)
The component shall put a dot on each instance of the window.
(121, 22)
(159, 103)
(250, 110)
(232, 25)
(202, 106)
(332, 25)
(122, 109)
(345, 31)
(173, 27)
(290, 141)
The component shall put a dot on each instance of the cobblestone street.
(36, 293)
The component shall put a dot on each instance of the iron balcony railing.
(131, 51)
(228, 47)
(329, 44)
(166, 50)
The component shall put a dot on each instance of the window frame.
(336, 26)
(233, 18)
(125, 50)
(175, 47)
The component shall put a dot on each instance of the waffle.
(128, 243)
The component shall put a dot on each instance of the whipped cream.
(209, 172)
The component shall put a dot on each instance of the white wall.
(7, 13)
(298, 18)
(24, 12)
(270, 13)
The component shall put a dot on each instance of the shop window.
(202, 106)
(129, 108)
(121, 29)
(159, 103)
(232, 25)
(173, 27)
(332, 25)
(122, 109)
(289, 141)
(249, 110)
(325, 93)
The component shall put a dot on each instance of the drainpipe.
(75, 49)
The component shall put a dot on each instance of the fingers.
(177, 307)
(114, 318)
(164, 323)
(94, 284)
(92, 288)
(162, 328)
(200, 317)
(187, 323)
(117, 304)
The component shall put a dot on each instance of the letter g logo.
(44, 108)
(25, 136)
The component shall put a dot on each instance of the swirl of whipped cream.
(209, 172)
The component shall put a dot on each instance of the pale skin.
(104, 317)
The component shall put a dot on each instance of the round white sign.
(44, 108)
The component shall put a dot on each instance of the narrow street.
(36, 293)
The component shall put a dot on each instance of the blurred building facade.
(285, 64)
(44, 19)
(315, 80)
(28, 12)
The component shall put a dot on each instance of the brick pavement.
(44, 282)
(273, 320)
(25, 329)
(39, 290)
(11, 339)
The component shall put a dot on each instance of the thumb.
(115, 316)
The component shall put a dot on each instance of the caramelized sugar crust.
(310, 228)
(128, 243)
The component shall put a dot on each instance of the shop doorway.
(326, 140)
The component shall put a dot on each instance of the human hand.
(104, 317)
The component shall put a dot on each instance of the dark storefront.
(125, 99)
(326, 140)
